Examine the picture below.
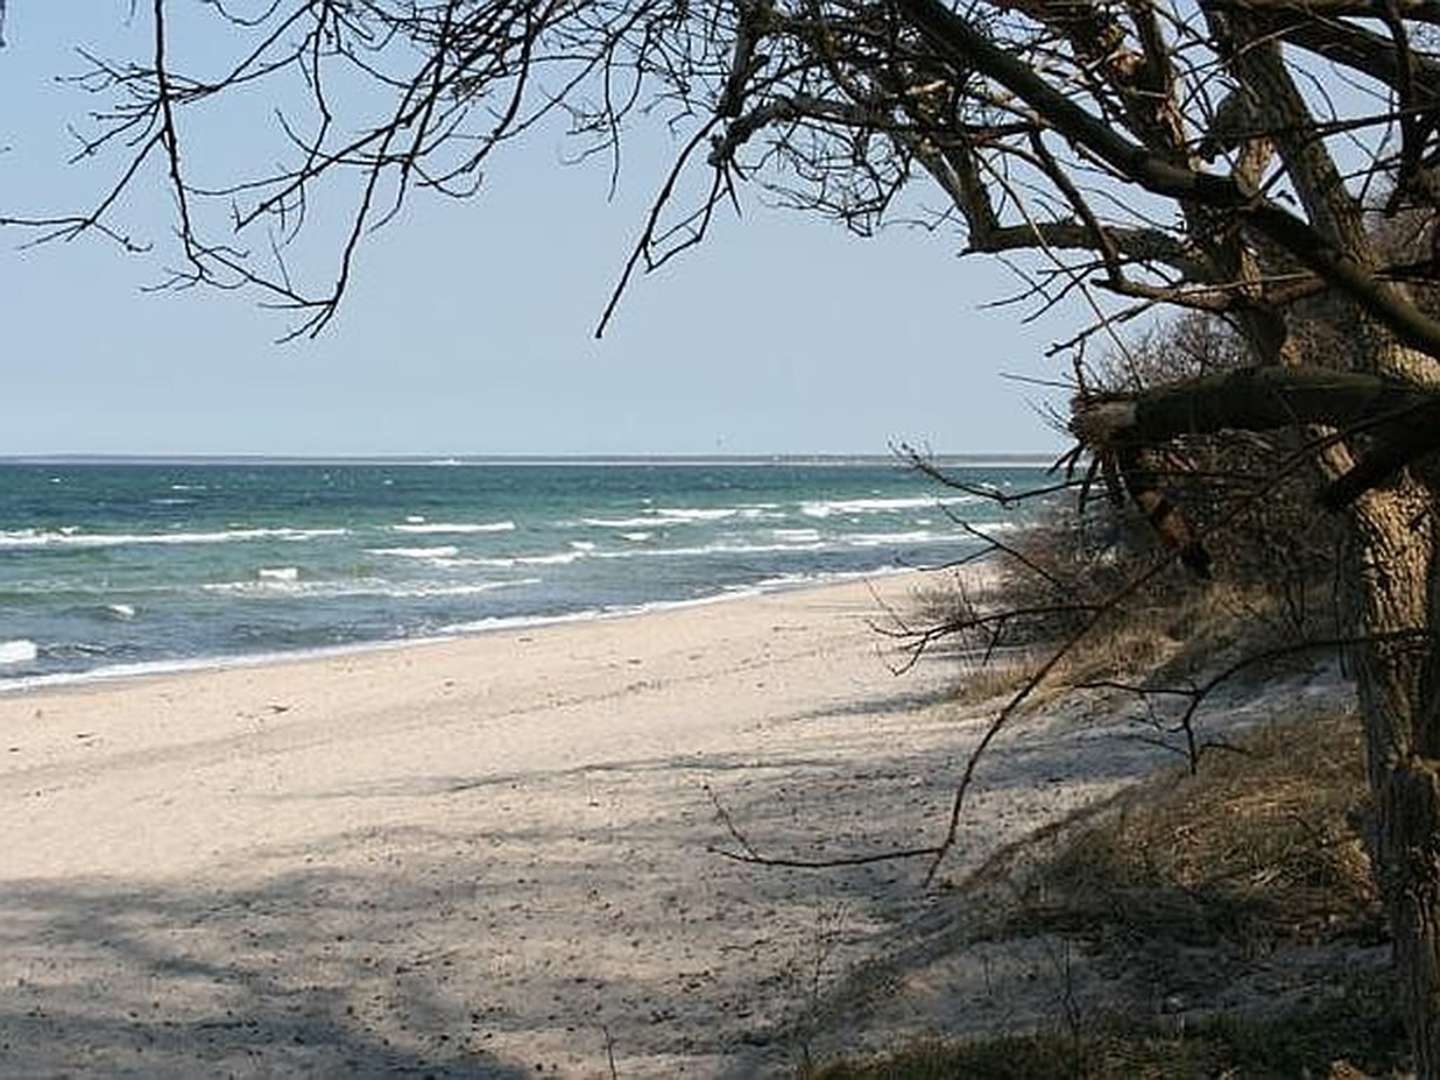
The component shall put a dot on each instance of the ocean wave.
(69, 650)
(737, 591)
(328, 590)
(796, 534)
(620, 523)
(73, 537)
(520, 622)
(662, 517)
(18, 651)
(278, 573)
(637, 537)
(918, 536)
(681, 513)
(708, 549)
(748, 512)
(506, 562)
(104, 612)
(455, 527)
(495, 562)
(559, 558)
(823, 508)
(810, 578)
(443, 551)
(141, 668)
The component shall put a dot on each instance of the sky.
(469, 326)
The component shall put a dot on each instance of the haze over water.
(111, 568)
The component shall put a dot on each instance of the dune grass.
(1191, 883)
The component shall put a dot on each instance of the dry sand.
(493, 857)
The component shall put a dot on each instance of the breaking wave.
(455, 527)
(72, 537)
(19, 651)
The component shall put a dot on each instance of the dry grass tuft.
(1320, 1043)
(1264, 845)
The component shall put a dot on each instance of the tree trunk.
(1409, 818)
(1393, 591)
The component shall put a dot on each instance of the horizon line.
(82, 458)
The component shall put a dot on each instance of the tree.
(1209, 156)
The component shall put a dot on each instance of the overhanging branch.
(955, 38)
(1405, 420)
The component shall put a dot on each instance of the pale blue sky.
(468, 328)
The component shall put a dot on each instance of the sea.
(119, 568)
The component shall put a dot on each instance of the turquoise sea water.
(116, 568)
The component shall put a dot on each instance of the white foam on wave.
(459, 590)
(583, 545)
(667, 516)
(810, 579)
(278, 573)
(560, 558)
(19, 651)
(637, 537)
(442, 551)
(415, 519)
(823, 508)
(708, 549)
(455, 527)
(499, 562)
(121, 611)
(328, 590)
(918, 536)
(71, 536)
(796, 542)
(505, 562)
(520, 622)
(619, 523)
(681, 513)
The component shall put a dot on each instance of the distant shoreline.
(123, 673)
(988, 460)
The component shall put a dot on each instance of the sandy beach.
(492, 856)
